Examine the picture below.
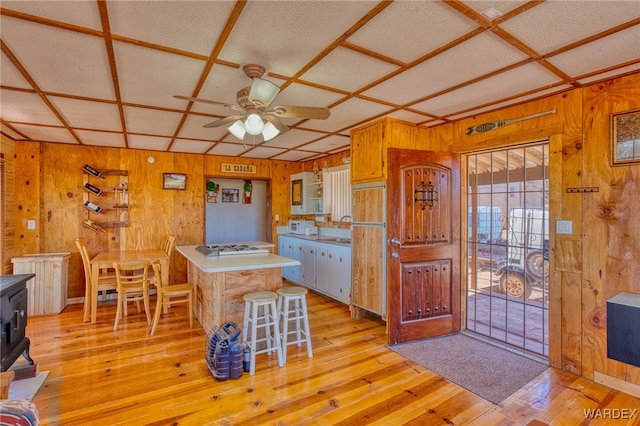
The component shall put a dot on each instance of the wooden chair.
(169, 245)
(169, 295)
(106, 279)
(132, 286)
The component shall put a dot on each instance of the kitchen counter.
(235, 262)
(220, 282)
(342, 241)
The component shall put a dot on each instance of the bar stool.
(267, 321)
(298, 312)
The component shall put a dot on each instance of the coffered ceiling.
(105, 72)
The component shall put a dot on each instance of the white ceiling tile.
(347, 114)
(222, 85)
(285, 35)
(193, 129)
(610, 74)
(480, 55)
(10, 76)
(291, 156)
(554, 24)
(60, 61)
(600, 54)
(409, 116)
(152, 77)
(336, 70)
(89, 137)
(151, 121)
(26, 108)
(81, 13)
(330, 143)
(9, 132)
(301, 94)
(229, 149)
(87, 114)
(148, 142)
(190, 146)
(518, 100)
(519, 80)
(192, 26)
(418, 27)
(46, 134)
(293, 138)
(502, 6)
(262, 152)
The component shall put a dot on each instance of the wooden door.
(423, 244)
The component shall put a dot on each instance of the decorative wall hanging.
(247, 189)
(625, 138)
(485, 127)
(174, 181)
(426, 195)
(212, 191)
(230, 195)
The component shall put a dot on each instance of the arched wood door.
(423, 244)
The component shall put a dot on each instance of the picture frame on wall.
(625, 138)
(174, 181)
(296, 192)
(230, 195)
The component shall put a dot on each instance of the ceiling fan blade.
(223, 121)
(206, 101)
(263, 92)
(293, 111)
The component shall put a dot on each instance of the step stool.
(267, 321)
(297, 313)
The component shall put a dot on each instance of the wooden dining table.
(106, 259)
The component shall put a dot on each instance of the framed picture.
(230, 195)
(625, 138)
(296, 192)
(174, 181)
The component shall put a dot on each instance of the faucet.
(342, 219)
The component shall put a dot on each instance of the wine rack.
(105, 198)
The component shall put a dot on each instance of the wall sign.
(238, 168)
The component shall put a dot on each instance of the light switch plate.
(31, 224)
(564, 227)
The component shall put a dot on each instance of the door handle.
(394, 254)
(395, 241)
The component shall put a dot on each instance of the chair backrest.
(132, 276)
(84, 254)
(169, 244)
(157, 273)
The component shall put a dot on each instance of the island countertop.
(235, 262)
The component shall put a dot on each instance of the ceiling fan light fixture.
(237, 129)
(254, 124)
(263, 91)
(269, 132)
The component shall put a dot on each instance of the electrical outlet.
(564, 227)
(277, 218)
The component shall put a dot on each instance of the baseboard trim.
(618, 384)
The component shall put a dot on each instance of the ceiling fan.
(258, 117)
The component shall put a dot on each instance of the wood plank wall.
(599, 260)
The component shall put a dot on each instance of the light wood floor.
(97, 376)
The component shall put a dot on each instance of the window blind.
(340, 193)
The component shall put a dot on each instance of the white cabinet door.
(297, 254)
(285, 249)
(339, 273)
(321, 266)
(309, 264)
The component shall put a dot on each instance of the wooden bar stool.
(297, 313)
(267, 321)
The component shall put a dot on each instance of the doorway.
(228, 216)
(507, 243)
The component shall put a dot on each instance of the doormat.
(488, 371)
(27, 388)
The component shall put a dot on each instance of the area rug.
(488, 371)
(27, 388)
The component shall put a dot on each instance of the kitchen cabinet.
(285, 249)
(307, 193)
(368, 237)
(326, 267)
(339, 272)
(369, 145)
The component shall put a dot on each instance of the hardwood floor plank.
(130, 378)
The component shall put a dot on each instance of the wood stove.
(13, 319)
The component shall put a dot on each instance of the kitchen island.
(221, 281)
